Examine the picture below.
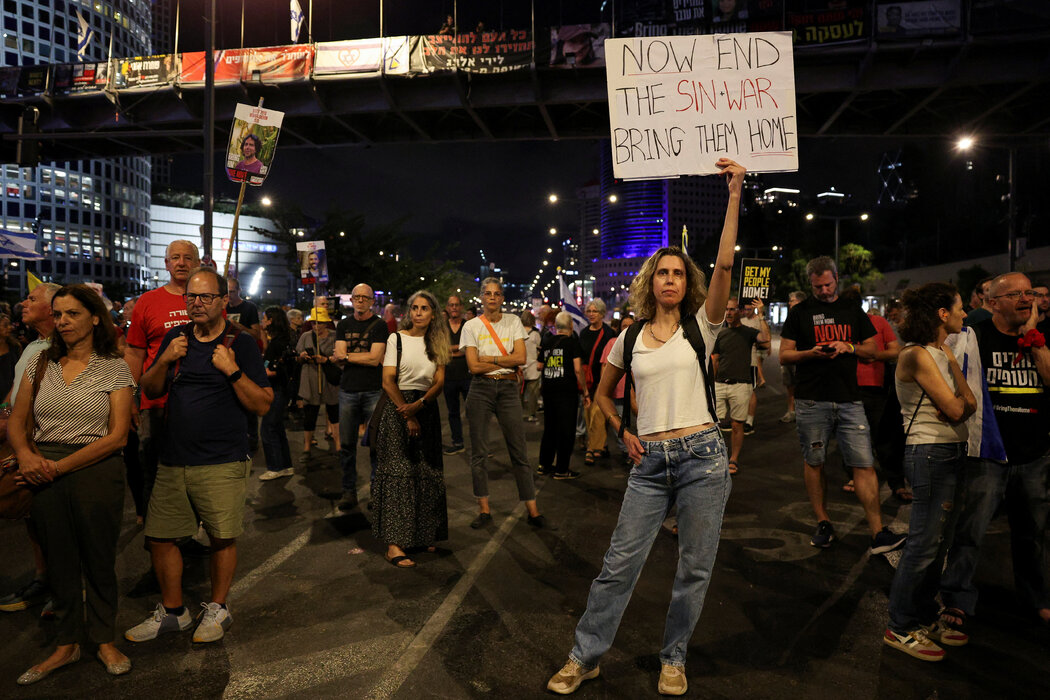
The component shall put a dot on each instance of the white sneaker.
(270, 474)
(159, 622)
(212, 623)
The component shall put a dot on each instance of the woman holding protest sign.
(679, 456)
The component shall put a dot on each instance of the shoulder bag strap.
(914, 413)
(495, 338)
(597, 342)
(38, 376)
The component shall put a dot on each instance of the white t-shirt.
(417, 370)
(532, 352)
(667, 380)
(476, 335)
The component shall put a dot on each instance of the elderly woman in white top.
(935, 402)
(82, 411)
(408, 489)
(678, 452)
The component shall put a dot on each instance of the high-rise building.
(91, 217)
(639, 218)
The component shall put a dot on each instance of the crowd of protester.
(167, 396)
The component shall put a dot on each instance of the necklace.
(673, 331)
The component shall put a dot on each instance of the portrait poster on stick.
(313, 263)
(253, 143)
(755, 277)
(679, 103)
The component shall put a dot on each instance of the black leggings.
(310, 412)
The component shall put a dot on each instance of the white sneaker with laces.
(159, 622)
(212, 623)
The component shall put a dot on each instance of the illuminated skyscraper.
(91, 217)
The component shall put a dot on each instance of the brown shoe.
(569, 678)
(672, 680)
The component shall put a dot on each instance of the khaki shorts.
(733, 397)
(211, 493)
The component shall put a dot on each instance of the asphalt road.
(318, 612)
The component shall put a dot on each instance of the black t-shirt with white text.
(557, 353)
(814, 322)
(359, 337)
(1017, 393)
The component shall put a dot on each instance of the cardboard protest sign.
(313, 263)
(755, 277)
(253, 142)
(679, 103)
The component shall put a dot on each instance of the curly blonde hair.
(436, 337)
(642, 300)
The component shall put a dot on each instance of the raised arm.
(721, 276)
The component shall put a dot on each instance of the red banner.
(229, 66)
(280, 63)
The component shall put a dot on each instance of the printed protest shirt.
(476, 335)
(1017, 392)
(814, 322)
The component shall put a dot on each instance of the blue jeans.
(273, 435)
(817, 421)
(692, 473)
(935, 472)
(355, 408)
(455, 390)
(986, 483)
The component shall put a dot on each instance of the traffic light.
(27, 151)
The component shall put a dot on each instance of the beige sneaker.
(569, 678)
(672, 680)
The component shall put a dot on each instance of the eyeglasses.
(1028, 294)
(205, 298)
(360, 297)
(492, 294)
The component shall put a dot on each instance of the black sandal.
(396, 562)
(954, 618)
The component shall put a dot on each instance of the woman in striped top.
(82, 412)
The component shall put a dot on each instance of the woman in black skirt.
(408, 489)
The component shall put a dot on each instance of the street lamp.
(826, 217)
(965, 144)
(266, 201)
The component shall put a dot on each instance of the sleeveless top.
(928, 428)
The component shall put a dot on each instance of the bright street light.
(613, 198)
(553, 231)
(965, 143)
(863, 217)
(553, 198)
(809, 217)
(266, 201)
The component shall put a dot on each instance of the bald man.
(359, 347)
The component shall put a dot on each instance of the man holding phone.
(823, 336)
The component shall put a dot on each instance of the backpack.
(691, 329)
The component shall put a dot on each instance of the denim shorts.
(817, 421)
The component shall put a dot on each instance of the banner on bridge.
(474, 52)
(679, 103)
(363, 58)
(148, 71)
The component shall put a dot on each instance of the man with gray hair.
(157, 312)
(494, 343)
(823, 337)
(593, 340)
(36, 313)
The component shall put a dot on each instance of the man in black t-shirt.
(1017, 382)
(360, 345)
(823, 336)
(457, 376)
(731, 361)
(561, 365)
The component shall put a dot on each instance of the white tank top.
(928, 429)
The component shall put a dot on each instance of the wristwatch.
(232, 379)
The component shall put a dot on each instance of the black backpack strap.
(691, 330)
(628, 350)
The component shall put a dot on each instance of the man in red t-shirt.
(875, 392)
(157, 312)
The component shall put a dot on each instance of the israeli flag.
(297, 19)
(84, 34)
(568, 303)
(16, 244)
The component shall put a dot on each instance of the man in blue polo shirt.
(214, 378)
